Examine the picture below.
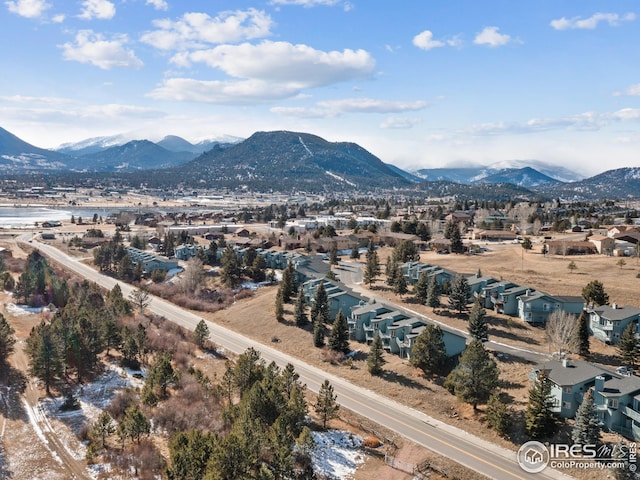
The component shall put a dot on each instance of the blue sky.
(417, 83)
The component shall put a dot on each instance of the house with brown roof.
(604, 244)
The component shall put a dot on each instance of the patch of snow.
(36, 417)
(14, 309)
(338, 177)
(253, 286)
(305, 146)
(337, 454)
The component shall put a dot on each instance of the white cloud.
(305, 3)
(369, 105)
(25, 99)
(298, 66)
(425, 41)
(613, 19)
(399, 123)
(221, 92)
(101, 9)
(491, 37)
(194, 30)
(336, 108)
(28, 8)
(93, 48)
(158, 4)
(59, 18)
(632, 91)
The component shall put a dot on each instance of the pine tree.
(421, 287)
(498, 415)
(320, 307)
(400, 284)
(279, 305)
(103, 427)
(372, 266)
(586, 430)
(46, 361)
(7, 340)
(318, 333)
(339, 337)
(540, 421)
(628, 346)
(288, 282)
(300, 313)
(475, 377)
(375, 359)
(452, 232)
(581, 333)
(231, 270)
(392, 272)
(201, 333)
(429, 353)
(593, 293)
(459, 295)
(477, 326)
(326, 405)
(433, 293)
(333, 253)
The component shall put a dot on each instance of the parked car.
(624, 371)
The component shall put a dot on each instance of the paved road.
(477, 454)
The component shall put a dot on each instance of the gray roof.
(575, 373)
(618, 313)
(369, 307)
(619, 386)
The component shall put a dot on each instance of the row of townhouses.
(606, 322)
(616, 396)
(396, 327)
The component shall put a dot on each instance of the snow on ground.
(14, 309)
(337, 454)
(93, 398)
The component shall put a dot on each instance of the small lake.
(23, 217)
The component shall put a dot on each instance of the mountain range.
(286, 161)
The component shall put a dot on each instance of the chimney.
(614, 305)
(599, 387)
(566, 362)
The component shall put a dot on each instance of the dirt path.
(30, 446)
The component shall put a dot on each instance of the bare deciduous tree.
(192, 276)
(560, 331)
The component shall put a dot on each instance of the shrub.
(372, 442)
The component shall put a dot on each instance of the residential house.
(186, 251)
(570, 247)
(535, 307)
(150, 261)
(608, 322)
(604, 245)
(570, 379)
(506, 301)
(494, 235)
(616, 397)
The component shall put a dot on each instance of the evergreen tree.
(201, 333)
(475, 377)
(288, 282)
(375, 359)
(231, 272)
(581, 340)
(300, 313)
(459, 295)
(498, 415)
(477, 326)
(540, 421)
(140, 298)
(318, 333)
(593, 293)
(190, 452)
(279, 305)
(586, 430)
(355, 253)
(103, 427)
(339, 337)
(326, 406)
(400, 284)
(421, 287)
(333, 253)
(429, 353)
(391, 271)
(433, 292)
(628, 346)
(320, 307)
(7, 340)
(46, 361)
(134, 424)
(452, 232)
(372, 266)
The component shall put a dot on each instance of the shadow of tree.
(510, 358)
(604, 359)
(511, 336)
(4, 467)
(394, 377)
